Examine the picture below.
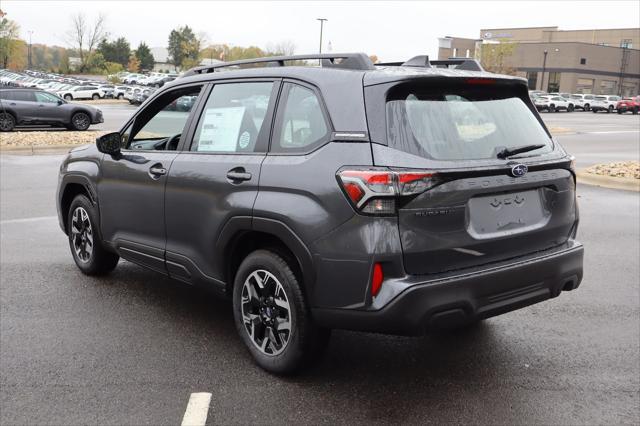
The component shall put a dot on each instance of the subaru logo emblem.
(519, 170)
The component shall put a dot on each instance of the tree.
(143, 53)
(85, 37)
(282, 48)
(9, 40)
(374, 58)
(184, 47)
(495, 57)
(115, 51)
(134, 64)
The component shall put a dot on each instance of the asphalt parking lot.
(130, 348)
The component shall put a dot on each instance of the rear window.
(461, 123)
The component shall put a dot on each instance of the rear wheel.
(120, 96)
(587, 107)
(552, 108)
(272, 316)
(80, 121)
(619, 111)
(7, 122)
(635, 110)
(85, 240)
(571, 108)
(95, 96)
(610, 109)
(68, 97)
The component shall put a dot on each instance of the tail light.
(376, 191)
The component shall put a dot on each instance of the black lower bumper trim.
(466, 298)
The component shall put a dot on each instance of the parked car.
(33, 106)
(628, 105)
(582, 101)
(81, 92)
(132, 78)
(604, 103)
(440, 201)
(553, 103)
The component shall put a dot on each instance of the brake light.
(376, 279)
(375, 191)
(480, 81)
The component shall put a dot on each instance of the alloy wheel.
(6, 122)
(81, 121)
(82, 234)
(266, 312)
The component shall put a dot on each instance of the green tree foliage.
(184, 47)
(496, 57)
(9, 41)
(49, 58)
(143, 53)
(115, 51)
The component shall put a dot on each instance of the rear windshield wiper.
(508, 152)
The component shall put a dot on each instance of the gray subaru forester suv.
(394, 198)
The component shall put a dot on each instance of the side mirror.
(109, 143)
(60, 102)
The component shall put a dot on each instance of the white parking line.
(197, 409)
(27, 219)
(612, 131)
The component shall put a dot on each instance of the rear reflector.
(376, 279)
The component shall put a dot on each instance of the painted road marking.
(27, 220)
(197, 409)
(612, 131)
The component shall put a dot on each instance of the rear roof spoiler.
(422, 61)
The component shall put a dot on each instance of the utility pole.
(29, 52)
(322, 21)
(544, 66)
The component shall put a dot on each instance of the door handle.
(238, 174)
(157, 170)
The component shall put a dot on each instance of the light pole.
(544, 66)
(29, 53)
(322, 21)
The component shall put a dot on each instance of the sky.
(392, 30)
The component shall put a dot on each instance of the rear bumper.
(466, 297)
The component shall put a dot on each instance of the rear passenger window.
(301, 122)
(22, 95)
(233, 120)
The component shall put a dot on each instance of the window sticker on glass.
(220, 129)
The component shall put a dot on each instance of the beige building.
(605, 61)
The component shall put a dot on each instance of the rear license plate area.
(499, 215)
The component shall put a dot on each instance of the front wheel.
(80, 121)
(571, 108)
(552, 108)
(587, 107)
(68, 97)
(635, 110)
(120, 97)
(95, 96)
(610, 109)
(85, 240)
(272, 316)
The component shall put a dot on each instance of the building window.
(583, 61)
(585, 85)
(532, 80)
(554, 82)
(608, 87)
(626, 43)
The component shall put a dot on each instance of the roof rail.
(422, 61)
(352, 61)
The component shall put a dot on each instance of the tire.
(278, 303)
(80, 121)
(68, 97)
(95, 96)
(595, 111)
(85, 239)
(552, 108)
(635, 110)
(7, 122)
(571, 108)
(587, 107)
(610, 109)
(619, 111)
(120, 96)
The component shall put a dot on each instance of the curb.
(37, 150)
(627, 184)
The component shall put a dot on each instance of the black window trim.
(269, 117)
(278, 117)
(205, 88)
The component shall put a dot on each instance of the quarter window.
(302, 124)
(233, 120)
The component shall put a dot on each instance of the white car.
(553, 103)
(120, 92)
(81, 92)
(604, 103)
(582, 102)
(133, 78)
